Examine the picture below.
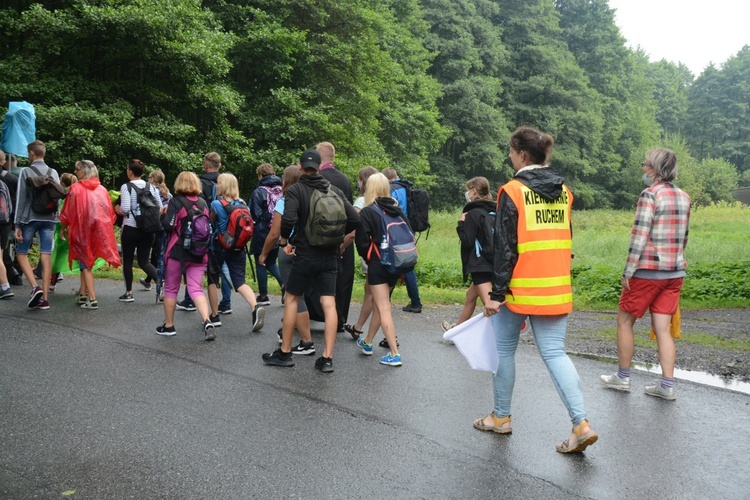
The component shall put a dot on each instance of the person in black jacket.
(477, 264)
(314, 266)
(261, 208)
(381, 281)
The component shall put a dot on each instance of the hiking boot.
(324, 364)
(304, 348)
(165, 330)
(145, 284)
(225, 309)
(208, 330)
(215, 321)
(615, 382)
(278, 358)
(259, 315)
(36, 296)
(42, 304)
(411, 308)
(657, 390)
(6, 294)
(263, 300)
(127, 297)
(366, 348)
(186, 305)
(391, 360)
(91, 304)
(447, 325)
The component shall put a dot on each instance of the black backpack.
(46, 192)
(418, 201)
(485, 241)
(148, 213)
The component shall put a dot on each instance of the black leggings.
(133, 239)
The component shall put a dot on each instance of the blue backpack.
(398, 249)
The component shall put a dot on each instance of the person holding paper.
(531, 277)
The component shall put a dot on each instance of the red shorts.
(658, 296)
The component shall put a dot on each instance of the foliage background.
(430, 87)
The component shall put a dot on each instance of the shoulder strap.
(36, 170)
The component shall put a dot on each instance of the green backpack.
(326, 222)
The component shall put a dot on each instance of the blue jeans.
(271, 267)
(410, 279)
(549, 336)
(46, 230)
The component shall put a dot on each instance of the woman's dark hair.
(137, 167)
(536, 144)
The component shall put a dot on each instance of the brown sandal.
(497, 426)
(583, 440)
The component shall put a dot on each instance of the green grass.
(717, 254)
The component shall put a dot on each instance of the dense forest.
(430, 87)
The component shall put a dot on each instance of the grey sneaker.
(615, 382)
(661, 392)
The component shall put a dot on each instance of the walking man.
(314, 262)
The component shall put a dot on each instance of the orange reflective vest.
(540, 283)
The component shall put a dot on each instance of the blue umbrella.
(19, 128)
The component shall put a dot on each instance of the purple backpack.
(195, 233)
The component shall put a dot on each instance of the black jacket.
(467, 232)
(259, 211)
(297, 209)
(340, 180)
(371, 225)
(548, 184)
(208, 180)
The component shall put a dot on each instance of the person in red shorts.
(654, 271)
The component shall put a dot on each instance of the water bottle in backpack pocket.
(398, 249)
(195, 233)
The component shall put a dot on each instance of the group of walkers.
(516, 250)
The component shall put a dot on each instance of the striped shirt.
(660, 230)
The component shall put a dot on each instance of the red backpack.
(239, 226)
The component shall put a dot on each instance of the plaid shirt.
(660, 230)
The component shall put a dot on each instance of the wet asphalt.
(93, 404)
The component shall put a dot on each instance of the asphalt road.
(93, 404)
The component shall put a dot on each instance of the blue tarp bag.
(19, 128)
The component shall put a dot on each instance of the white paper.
(475, 339)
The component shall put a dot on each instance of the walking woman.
(654, 271)
(88, 220)
(132, 237)
(476, 260)
(532, 278)
(187, 193)
(228, 196)
(370, 232)
(156, 178)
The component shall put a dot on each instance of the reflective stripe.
(530, 300)
(539, 282)
(545, 245)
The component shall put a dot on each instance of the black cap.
(310, 159)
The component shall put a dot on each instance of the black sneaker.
(259, 315)
(225, 309)
(167, 331)
(35, 297)
(278, 358)
(324, 364)
(384, 343)
(411, 308)
(263, 300)
(280, 333)
(215, 321)
(126, 297)
(185, 305)
(305, 348)
(208, 330)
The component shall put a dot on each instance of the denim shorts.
(46, 230)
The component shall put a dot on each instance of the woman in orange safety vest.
(531, 278)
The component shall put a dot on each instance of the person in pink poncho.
(88, 217)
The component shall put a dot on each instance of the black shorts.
(318, 272)
(378, 275)
(480, 278)
(235, 261)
